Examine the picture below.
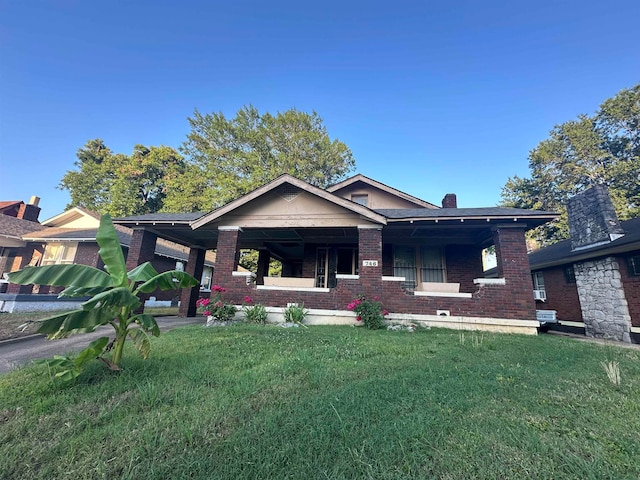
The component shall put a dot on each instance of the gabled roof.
(485, 212)
(70, 215)
(381, 186)
(560, 253)
(282, 179)
(10, 205)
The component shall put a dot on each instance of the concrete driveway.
(14, 353)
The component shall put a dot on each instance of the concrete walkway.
(16, 352)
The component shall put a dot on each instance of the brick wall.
(87, 254)
(561, 296)
(464, 263)
(513, 300)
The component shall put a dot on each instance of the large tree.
(120, 184)
(602, 148)
(228, 158)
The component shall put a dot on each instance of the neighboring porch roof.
(560, 253)
(12, 229)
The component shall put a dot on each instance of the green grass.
(330, 402)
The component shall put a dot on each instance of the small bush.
(295, 313)
(370, 312)
(255, 313)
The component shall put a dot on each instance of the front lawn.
(330, 402)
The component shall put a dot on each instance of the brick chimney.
(450, 201)
(592, 219)
(31, 210)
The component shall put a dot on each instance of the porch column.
(189, 296)
(370, 259)
(142, 248)
(227, 254)
(513, 266)
(23, 258)
(264, 258)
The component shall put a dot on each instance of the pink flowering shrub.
(370, 312)
(215, 307)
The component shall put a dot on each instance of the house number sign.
(370, 263)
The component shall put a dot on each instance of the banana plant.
(114, 300)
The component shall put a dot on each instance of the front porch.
(424, 264)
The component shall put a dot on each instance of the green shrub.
(256, 313)
(295, 313)
(370, 312)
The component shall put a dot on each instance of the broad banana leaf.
(142, 273)
(76, 321)
(62, 276)
(168, 281)
(113, 298)
(93, 350)
(140, 341)
(111, 252)
(148, 323)
(81, 291)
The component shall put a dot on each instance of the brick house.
(70, 237)
(360, 237)
(592, 280)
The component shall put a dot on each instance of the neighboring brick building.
(70, 237)
(592, 279)
(361, 236)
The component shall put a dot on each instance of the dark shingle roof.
(16, 227)
(560, 253)
(162, 217)
(400, 213)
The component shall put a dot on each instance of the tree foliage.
(119, 184)
(590, 150)
(114, 299)
(228, 158)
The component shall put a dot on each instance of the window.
(633, 266)
(539, 291)
(569, 274)
(432, 265)
(361, 198)
(404, 265)
(59, 253)
(205, 282)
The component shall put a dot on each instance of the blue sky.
(432, 97)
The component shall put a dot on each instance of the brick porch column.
(142, 249)
(513, 266)
(227, 255)
(189, 296)
(370, 259)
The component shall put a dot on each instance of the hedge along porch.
(362, 237)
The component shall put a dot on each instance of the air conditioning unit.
(540, 295)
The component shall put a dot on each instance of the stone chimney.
(592, 219)
(450, 201)
(30, 211)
